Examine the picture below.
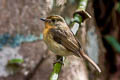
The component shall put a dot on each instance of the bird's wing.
(66, 38)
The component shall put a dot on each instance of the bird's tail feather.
(84, 55)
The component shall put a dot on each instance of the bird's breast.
(55, 47)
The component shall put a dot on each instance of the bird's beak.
(43, 19)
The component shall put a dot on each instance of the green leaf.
(112, 41)
(13, 61)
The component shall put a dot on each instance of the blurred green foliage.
(113, 42)
(14, 65)
(118, 7)
(15, 61)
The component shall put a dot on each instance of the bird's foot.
(59, 60)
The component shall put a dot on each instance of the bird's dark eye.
(53, 20)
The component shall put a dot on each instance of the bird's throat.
(46, 30)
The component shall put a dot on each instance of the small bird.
(61, 40)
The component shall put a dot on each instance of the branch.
(79, 16)
(57, 68)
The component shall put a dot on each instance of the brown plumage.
(61, 40)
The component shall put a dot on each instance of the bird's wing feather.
(66, 38)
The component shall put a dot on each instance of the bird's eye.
(53, 20)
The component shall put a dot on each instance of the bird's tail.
(84, 55)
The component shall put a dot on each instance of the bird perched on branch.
(60, 39)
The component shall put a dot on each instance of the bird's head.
(54, 21)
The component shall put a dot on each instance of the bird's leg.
(59, 59)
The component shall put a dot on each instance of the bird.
(60, 39)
